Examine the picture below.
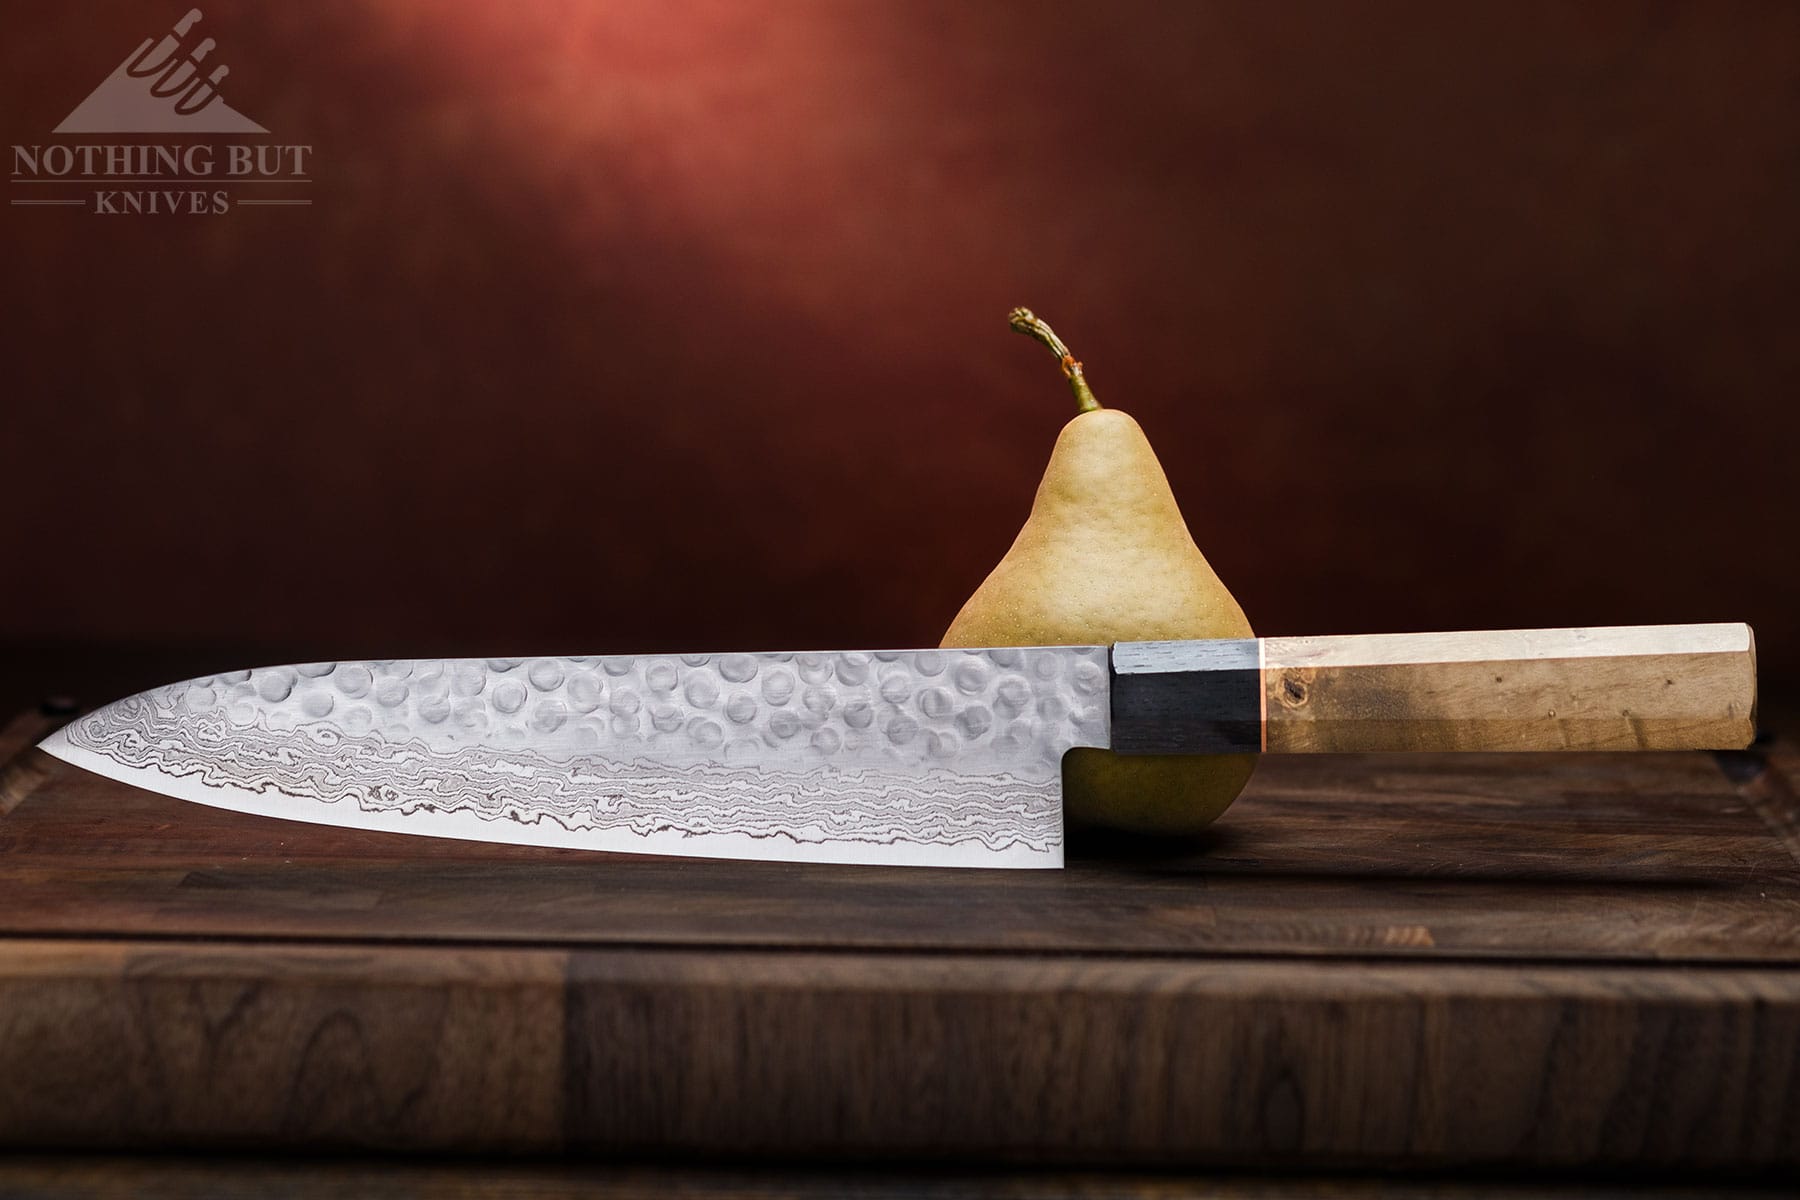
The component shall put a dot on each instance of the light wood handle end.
(1656, 687)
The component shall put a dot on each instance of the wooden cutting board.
(1431, 961)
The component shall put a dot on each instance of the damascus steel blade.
(914, 757)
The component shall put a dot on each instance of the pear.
(1106, 557)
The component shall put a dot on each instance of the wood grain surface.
(1426, 962)
(1004, 1058)
(145, 1177)
(1652, 857)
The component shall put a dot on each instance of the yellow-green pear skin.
(1106, 557)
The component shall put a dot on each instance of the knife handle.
(1640, 687)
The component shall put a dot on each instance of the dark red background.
(627, 326)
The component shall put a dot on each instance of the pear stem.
(1024, 321)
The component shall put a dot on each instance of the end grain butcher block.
(1419, 961)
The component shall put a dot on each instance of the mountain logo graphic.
(160, 88)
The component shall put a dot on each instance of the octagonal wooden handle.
(1642, 687)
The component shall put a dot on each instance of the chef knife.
(917, 757)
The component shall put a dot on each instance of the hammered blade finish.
(936, 757)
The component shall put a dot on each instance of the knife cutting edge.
(901, 757)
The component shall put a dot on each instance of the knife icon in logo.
(160, 88)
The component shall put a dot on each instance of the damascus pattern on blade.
(922, 747)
